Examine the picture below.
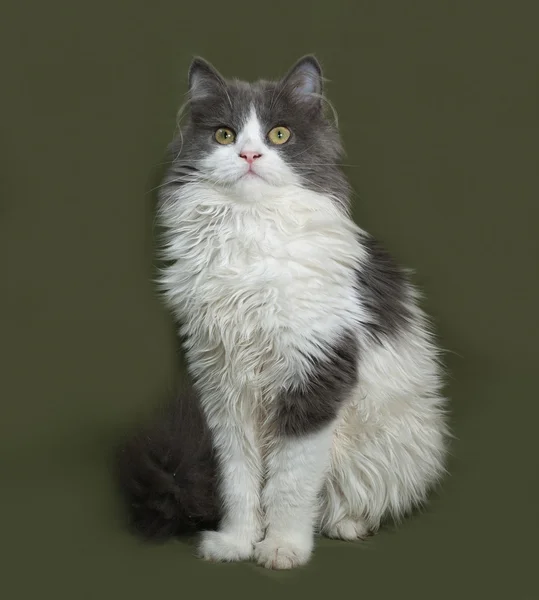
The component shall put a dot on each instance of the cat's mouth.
(251, 174)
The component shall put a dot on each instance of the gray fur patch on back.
(314, 403)
(384, 291)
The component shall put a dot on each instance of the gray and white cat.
(318, 402)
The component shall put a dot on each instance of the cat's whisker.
(274, 100)
(302, 152)
(308, 165)
(325, 192)
(333, 109)
(170, 182)
(273, 94)
(179, 116)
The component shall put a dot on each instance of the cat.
(317, 399)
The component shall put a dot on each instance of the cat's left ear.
(204, 79)
(305, 80)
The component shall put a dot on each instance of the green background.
(438, 105)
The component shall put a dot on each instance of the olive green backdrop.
(438, 104)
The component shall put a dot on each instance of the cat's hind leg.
(382, 465)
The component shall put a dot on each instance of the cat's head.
(249, 137)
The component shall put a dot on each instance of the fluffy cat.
(318, 389)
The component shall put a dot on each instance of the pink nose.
(250, 157)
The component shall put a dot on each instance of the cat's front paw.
(225, 546)
(281, 552)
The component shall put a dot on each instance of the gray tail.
(167, 473)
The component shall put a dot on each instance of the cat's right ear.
(305, 81)
(204, 79)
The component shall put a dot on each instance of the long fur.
(316, 371)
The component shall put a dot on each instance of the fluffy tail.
(167, 473)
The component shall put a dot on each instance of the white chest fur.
(259, 287)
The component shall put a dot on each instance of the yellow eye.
(279, 135)
(224, 135)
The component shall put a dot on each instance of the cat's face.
(254, 137)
